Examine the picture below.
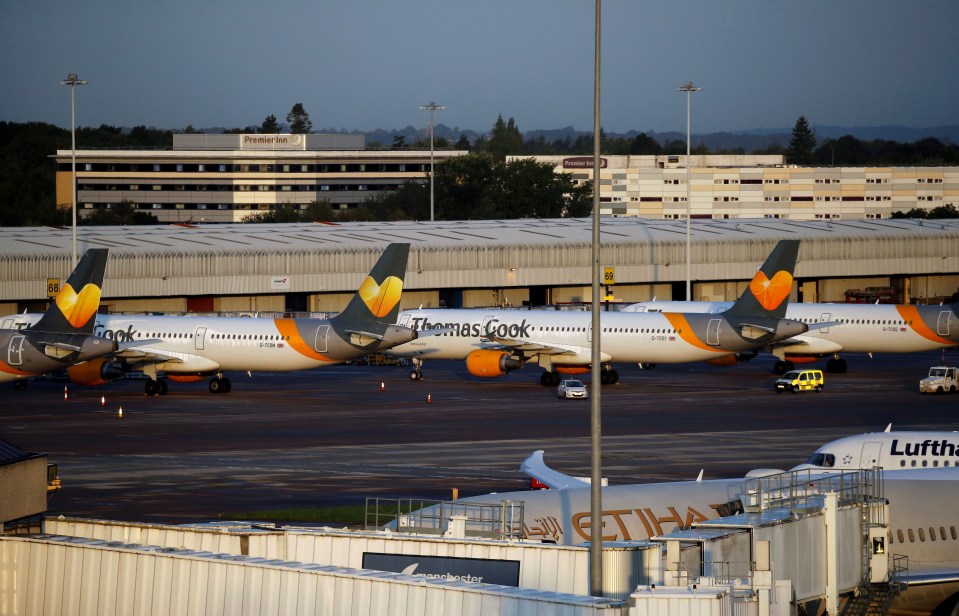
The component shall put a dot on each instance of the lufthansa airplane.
(64, 335)
(493, 342)
(922, 520)
(891, 451)
(850, 328)
(189, 349)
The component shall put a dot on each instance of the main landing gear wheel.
(609, 377)
(782, 367)
(220, 385)
(155, 387)
(549, 378)
(836, 366)
(416, 375)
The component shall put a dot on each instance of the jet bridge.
(802, 537)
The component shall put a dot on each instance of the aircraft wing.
(937, 576)
(535, 467)
(544, 348)
(815, 326)
(59, 349)
(809, 344)
(135, 354)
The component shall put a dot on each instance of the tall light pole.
(73, 82)
(688, 88)
(596, 429)
(432, 106)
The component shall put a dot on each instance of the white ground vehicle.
(571, 388)
(941, 379)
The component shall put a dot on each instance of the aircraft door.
(15, 351)
(825, 319)
(943, 328)
(200, 336)
(712, 332)
(870, 455)
(404, 319)
(320, 345)
(483, 330)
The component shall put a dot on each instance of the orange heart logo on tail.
(771, 293)
(77, 309)
(381, 298)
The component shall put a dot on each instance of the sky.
(370, 64)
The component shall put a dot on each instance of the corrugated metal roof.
(239, 259)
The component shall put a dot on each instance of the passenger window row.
(911, 534)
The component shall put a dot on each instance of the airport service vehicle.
(189, 349)
(800, 380)
(494, 342)
(64, 335)
(571, 388)
(941, 379)
(846, 328)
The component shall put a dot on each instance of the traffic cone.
(65, 398)
(429, 398)
(103, 401)
(120, 413)
(382, 386)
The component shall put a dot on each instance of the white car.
(571, 388)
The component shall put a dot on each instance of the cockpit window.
(826, 460)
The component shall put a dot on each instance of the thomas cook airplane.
(188, 349)
(493, 342)
(850, 328)
(63, 336)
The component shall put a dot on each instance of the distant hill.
(748, 140)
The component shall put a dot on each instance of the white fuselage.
(652, 338)
(213, 344)
(891, 451)
(860, 328)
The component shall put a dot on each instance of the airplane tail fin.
(768, 292)
(74, 309)
(377, 301)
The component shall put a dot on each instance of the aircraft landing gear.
(782, 366)
(417, 374)
(220, 385)
(156, 387)
(549, 378)
(836, 366)
(608, 376)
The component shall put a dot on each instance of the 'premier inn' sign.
(273, 142)
(582, 162)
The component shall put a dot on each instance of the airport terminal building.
(225, 178)
(758, 186)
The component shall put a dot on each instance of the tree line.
(481, 185)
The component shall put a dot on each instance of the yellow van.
(800, 380)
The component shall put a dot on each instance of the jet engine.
(491, 363)
(95, 372)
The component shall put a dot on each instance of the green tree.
(299, 120)
(122, 213)
(505, 139)
(801, 145)
(270, 126)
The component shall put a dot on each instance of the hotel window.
(201, 167)
(222, 168)
(156, 166)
